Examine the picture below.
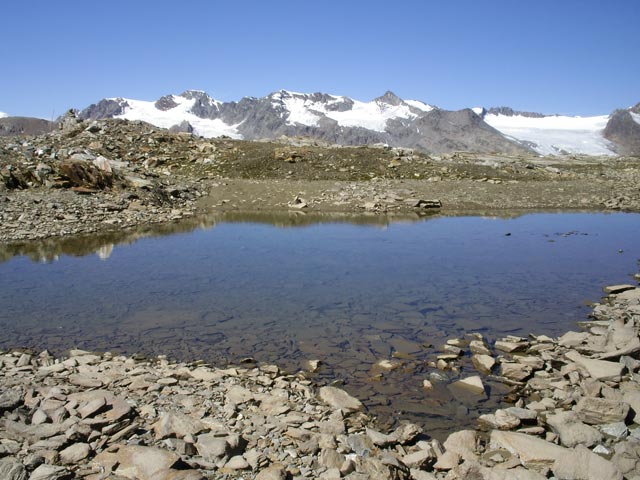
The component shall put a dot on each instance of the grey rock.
(582, 464)
(615, 289)
(626, 457)
(211, 447)
(463, 443)
(35, 433)
(84, 381)
(12, 469)
(74, 453)
(360, 444)
(572, 431)
(597, 369)
(617, 430)
(39, 417)
(472, 384)
(515, 371)
(50, 472)
(176, 424)
(421, 475)
(237, 463)
(418, 459)
(380, 439)
(523, 414)
(531, 451)
(144, 463)
(573, 339)
(273, 472)
(483, 363)
(633, 399)
(406, 432)
(340, 399)
(501, 419)
(10, 399)
(92, 407)
(447, 461)
(510, 346)
(330, 458)
(478, 347)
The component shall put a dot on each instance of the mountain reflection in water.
(349, 291)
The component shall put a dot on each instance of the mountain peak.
(195, 94)
(389, 98)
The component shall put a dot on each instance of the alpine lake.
(348, 291)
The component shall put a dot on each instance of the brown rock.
(74, 453)
(273, 472)
(176, 424)
(593, 410)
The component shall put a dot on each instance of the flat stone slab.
(472, 384)
(532, 451)
(595, 411)
(572, 431)
(340, 399)
(597, 369)
(614, 289)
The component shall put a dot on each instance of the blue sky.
(560, 56)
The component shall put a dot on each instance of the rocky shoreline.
(575, 414)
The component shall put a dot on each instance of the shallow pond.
(348, 294)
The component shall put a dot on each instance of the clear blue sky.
(552, 56)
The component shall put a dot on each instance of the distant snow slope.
(305, 110)
(147, 111)
(556, 134)
(2, 115)
(635, 116)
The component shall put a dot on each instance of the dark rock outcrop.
(624, 131)
(105, 108)
(510, 112)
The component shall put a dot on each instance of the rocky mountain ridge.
(387, 119)
(340, 120)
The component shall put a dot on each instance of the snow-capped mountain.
(2, 115)
(386, 119)
(333, 118)
(555, 134)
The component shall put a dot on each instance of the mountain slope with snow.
(2, 115)
(556, 134)
(387, 119)
(332, 118)
(148, 112)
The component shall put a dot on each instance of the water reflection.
(50, 249)
(343, 293)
